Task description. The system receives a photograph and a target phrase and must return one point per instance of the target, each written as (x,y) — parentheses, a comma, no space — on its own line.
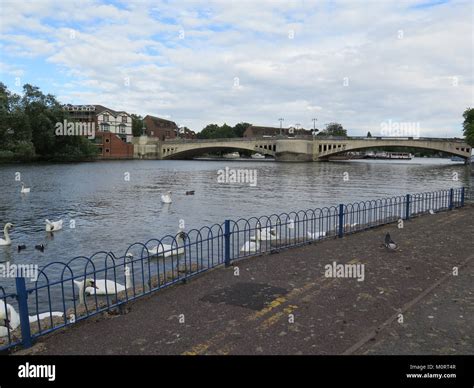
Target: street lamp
(314,126)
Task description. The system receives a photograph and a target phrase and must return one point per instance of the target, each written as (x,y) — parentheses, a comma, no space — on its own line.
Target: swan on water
(24,189)
(53,226)
(7,240)
(166,250)
(11,320)
(166,198)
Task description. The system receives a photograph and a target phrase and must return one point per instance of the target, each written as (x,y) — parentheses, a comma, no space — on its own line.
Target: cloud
(346,61)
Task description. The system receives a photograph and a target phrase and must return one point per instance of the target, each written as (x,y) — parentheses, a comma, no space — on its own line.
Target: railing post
(407,207)
(341,220)
(451,198)
(227,243)
(462,196)
(23,311)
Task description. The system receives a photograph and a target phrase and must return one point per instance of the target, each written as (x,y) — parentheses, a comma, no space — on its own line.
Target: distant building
(160,128)
(113,134)
(257,131)
(186,133)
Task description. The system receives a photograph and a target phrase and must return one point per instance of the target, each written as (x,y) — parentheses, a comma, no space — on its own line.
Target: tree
(333,129)
(468,126)
(27,128)
(369,134)
(240,128)
(137,125)
(208,132)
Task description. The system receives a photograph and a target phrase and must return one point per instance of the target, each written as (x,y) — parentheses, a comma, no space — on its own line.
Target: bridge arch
(326,150)
(184,151)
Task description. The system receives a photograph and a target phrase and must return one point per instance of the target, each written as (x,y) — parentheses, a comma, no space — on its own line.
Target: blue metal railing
(69,288)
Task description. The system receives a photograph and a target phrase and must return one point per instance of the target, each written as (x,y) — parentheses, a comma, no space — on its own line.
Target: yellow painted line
(204,346)
(276,317)
(280,300)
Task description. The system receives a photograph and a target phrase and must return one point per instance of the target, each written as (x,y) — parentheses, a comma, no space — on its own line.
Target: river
(115,203)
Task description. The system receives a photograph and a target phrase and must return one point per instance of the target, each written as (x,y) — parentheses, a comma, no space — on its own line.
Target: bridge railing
(65,293)
(311,137)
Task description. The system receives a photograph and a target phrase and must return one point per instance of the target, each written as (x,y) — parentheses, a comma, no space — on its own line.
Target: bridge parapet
(290,149)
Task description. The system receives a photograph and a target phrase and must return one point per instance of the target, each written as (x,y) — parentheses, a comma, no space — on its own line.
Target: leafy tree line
(27,129)
(214,131)
(468,126)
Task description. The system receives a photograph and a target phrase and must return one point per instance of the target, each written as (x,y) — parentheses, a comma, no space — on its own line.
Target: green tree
(137,125)
(369,134)
(333,129)
(27,128)
(468,126)
(240,128)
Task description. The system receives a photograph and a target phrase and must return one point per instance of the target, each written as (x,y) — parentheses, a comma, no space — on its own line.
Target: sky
(360,63)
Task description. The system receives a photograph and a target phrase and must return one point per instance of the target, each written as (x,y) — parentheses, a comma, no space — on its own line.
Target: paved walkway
(253,313)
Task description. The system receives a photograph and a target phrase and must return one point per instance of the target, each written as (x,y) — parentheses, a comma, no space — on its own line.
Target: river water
(116,203)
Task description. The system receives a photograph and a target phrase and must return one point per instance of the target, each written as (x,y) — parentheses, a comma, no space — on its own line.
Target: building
(160,128)
(186,133)
(257,131)
(113,129)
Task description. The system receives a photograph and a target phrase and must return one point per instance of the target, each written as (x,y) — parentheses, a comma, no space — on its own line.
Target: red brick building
(186,133)
(113,129)
(160,128)
(111,146)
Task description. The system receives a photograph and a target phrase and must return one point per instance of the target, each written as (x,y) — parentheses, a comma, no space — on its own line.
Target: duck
(167,250)
(21,247)
(24,189)
(389,243)
(40,247)
(6,229)
(191,192)
(316,235)
(10,319)
(53,226)
(166,198)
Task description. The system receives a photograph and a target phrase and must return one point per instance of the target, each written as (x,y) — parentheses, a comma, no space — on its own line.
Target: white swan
(267,233)
(24,189)
(166,198)
(13,320)
(316,235)
(253,245)
(83,285)
(167,250)
(103,286)
(7,240)
(291,224)
(250,247)
(53,226)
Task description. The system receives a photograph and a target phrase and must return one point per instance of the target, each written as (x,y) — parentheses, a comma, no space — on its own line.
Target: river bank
(410,301)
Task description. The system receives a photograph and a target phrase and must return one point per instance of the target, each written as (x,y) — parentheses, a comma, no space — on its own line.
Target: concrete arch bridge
(291,149)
